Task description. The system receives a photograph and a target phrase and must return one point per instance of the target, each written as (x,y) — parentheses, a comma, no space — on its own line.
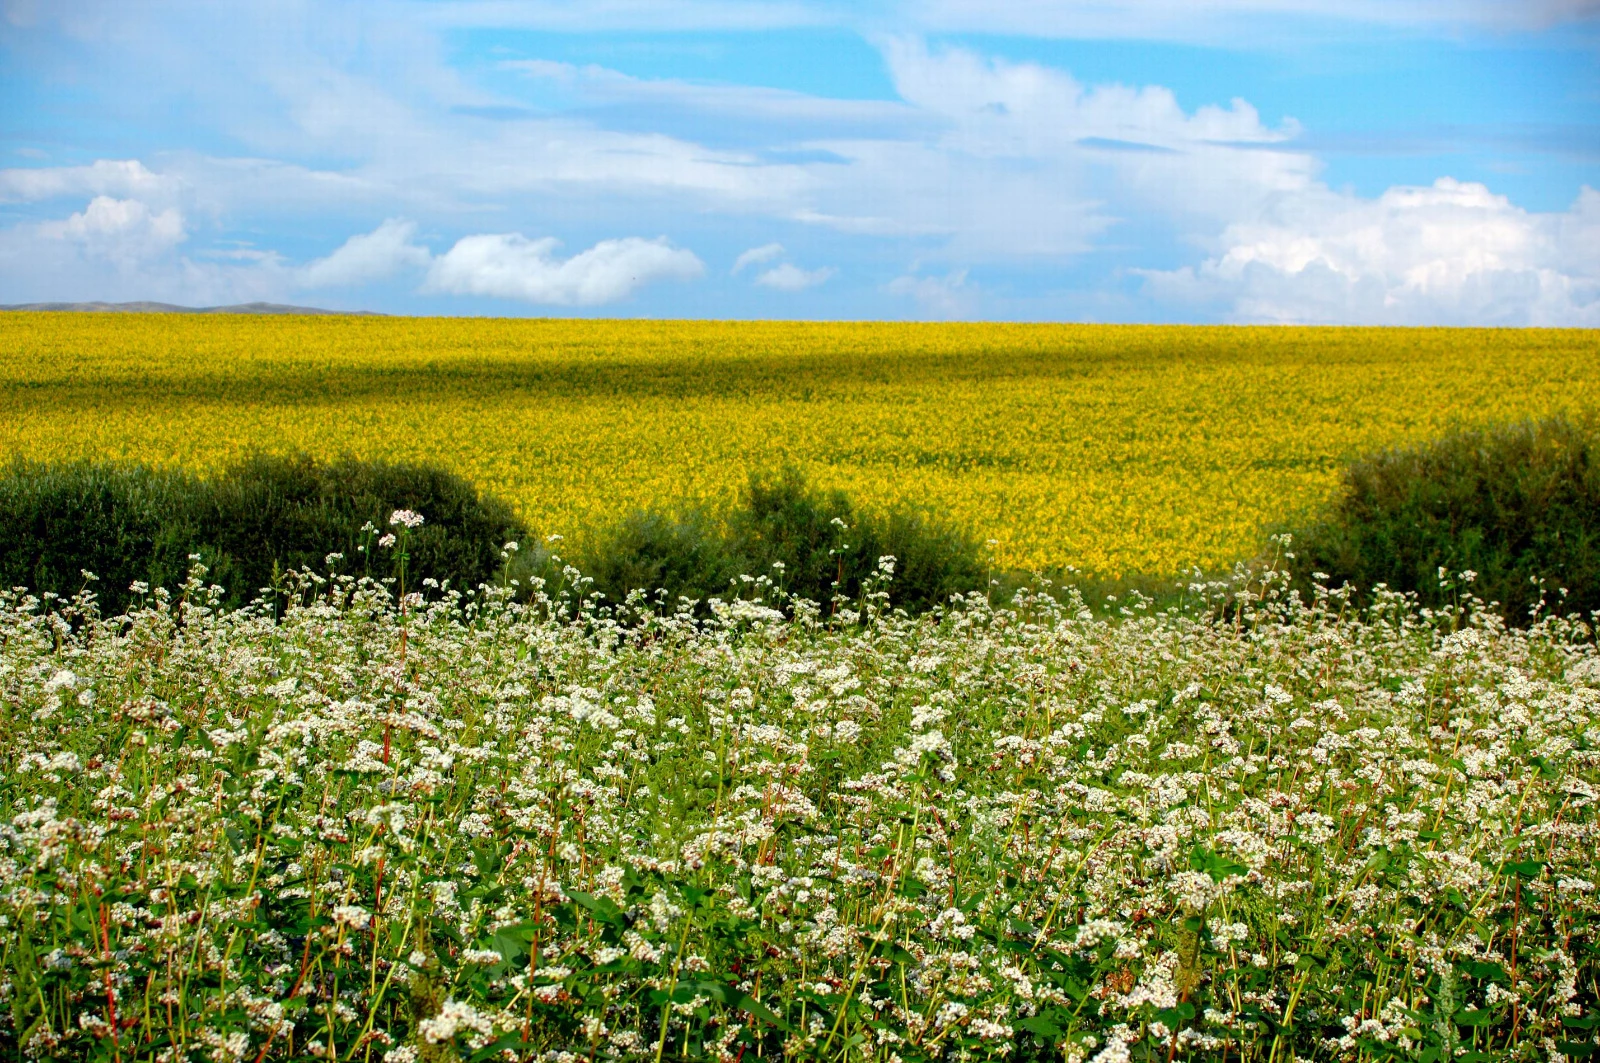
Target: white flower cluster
(1016,832)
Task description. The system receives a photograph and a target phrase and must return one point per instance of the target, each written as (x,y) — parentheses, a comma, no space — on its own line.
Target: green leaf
(602,908)
(1528,869)
(1485,972)
(694,894)
(1218,867)
(712,991)
(1175,1017)
(1474,1017)
(1040,1025)
(762,1012)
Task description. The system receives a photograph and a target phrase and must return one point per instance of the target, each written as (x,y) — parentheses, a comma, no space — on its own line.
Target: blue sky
(1402,161)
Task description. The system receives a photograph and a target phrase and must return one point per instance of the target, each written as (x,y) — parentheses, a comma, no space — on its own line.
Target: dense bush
(250,523)
(1514,504)
(813,544)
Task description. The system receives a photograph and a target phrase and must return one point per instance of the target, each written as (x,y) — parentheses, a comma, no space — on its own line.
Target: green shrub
(681,555)
(1514,504)
(251,523)
(120,523)
(280,513)
(811,543)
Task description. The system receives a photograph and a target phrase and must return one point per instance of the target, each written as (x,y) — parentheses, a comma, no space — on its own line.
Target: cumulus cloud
(510,266)
(382,253)
(1449,253)
(125,231)
(118,250)
(787,277)
(757,255)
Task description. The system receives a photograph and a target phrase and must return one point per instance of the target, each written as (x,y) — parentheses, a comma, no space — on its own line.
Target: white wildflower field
(362,825)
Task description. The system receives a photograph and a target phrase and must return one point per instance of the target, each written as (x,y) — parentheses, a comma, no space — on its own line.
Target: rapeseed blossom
(1116,449)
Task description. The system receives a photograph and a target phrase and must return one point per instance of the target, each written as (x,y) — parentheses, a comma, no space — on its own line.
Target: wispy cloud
(788,277)
(947,297)
(104,177)
(756,256)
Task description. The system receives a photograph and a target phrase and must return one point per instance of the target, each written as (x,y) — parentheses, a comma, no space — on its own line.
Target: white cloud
(1450,253)
(783,112)
(1020,159)
(1068,18)
(788,277)
(119,250)
(980,161)
(510,266)
(124,231)
(1233,21)
(103,177)
(385,251)
(1000,107)
(947,297)
(757,255)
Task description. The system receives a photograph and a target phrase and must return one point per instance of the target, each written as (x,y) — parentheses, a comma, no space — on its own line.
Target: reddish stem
(111,997)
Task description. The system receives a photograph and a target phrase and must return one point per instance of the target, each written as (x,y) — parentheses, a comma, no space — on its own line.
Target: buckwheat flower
(1194,889)
(405,518)
(455,1017)
(353,916)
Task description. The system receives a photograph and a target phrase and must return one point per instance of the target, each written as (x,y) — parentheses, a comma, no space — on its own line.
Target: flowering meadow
(436,826)
(1119,450)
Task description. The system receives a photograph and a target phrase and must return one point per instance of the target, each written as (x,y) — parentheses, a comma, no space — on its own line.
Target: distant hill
(169,308)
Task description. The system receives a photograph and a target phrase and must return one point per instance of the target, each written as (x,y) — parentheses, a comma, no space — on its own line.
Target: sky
(1412,162)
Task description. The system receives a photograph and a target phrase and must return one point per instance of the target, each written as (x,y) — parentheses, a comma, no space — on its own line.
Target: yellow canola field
(1119,449)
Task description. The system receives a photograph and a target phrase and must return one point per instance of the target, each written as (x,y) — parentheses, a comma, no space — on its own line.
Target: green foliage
(254,521)
(120,523)
(683,555)
(810,543)
(1518,505)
